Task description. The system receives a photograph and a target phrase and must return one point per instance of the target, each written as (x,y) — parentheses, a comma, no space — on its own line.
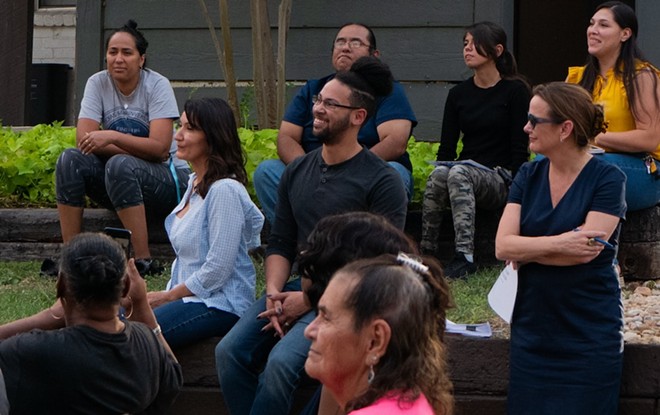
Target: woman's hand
(158,298)
(292,306)
(137,297)
(581,244)
(96,141)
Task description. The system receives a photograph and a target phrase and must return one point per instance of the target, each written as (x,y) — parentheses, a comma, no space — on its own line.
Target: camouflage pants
(461,189)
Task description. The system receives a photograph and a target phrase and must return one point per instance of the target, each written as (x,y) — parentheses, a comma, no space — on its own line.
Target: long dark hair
(413,302)
(141,43)
(626,63)
(215,118)
(486,36)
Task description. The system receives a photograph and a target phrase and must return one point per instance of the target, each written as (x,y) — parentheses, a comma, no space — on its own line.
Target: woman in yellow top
(626,85)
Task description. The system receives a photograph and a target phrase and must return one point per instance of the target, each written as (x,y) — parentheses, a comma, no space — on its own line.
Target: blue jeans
(269,172)
(187,323)
(642,189)
(259,372)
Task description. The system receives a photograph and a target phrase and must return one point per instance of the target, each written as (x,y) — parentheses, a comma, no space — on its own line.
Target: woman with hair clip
(626,85)
(98,363)
(211,230)
(377,339)
(124,157)
(488,111)
(560,229)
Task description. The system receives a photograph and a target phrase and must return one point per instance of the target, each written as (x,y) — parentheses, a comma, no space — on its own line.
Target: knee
(120,166)
(458,176)
(436,182)
(267,170)
(68,158)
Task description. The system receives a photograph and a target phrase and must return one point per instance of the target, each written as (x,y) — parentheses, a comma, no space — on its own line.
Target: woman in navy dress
(560,229)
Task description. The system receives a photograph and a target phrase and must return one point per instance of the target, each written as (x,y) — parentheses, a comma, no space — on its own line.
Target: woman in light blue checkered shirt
(211,230)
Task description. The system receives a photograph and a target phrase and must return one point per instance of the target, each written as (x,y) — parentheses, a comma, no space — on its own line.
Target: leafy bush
(27,161)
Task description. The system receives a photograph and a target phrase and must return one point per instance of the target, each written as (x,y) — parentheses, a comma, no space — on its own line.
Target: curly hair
(339,239)
(215,118)
(413,301)
(93,266)
(368,79)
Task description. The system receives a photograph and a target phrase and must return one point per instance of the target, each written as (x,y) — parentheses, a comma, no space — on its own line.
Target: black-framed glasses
(353,44)
(533,119)
(330,104)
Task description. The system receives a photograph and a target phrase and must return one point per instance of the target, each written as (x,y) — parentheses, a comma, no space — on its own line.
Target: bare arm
(568,248)
(394,136)
(90,139)
(646,136)
(158,298)
(142,312)
(49,319)
(289,140)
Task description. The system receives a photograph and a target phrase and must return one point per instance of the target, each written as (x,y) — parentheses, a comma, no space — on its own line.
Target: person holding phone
(97,362)
(567,323)
(211,230)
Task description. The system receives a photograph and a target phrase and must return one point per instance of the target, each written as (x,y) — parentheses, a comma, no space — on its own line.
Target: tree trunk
(226,57)
(282,33)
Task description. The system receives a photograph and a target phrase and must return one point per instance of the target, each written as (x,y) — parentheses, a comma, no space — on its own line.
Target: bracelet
(157,331)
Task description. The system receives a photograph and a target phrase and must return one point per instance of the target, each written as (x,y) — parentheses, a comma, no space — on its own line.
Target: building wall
(54,38)
(54,42)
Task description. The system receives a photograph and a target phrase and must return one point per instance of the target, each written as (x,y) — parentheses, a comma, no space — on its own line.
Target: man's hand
(283,310)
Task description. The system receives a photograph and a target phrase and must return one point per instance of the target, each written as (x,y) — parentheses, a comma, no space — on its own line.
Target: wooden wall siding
(420,40)
(15,60)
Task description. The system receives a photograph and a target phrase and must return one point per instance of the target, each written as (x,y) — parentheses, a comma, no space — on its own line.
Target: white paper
(455,162)
(502,295)
(472,330)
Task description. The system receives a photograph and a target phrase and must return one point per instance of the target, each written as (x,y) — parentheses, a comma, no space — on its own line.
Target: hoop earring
(371,375)
(131,313)
(50,310)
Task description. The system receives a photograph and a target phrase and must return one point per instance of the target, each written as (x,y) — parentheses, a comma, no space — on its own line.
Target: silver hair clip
(412,263)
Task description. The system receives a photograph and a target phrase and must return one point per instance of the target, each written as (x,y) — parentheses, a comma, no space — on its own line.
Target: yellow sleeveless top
(611,94)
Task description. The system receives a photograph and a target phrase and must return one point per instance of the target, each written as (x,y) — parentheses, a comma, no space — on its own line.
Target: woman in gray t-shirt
(124,156)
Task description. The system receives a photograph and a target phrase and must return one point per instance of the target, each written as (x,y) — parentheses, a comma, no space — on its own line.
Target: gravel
(641,310)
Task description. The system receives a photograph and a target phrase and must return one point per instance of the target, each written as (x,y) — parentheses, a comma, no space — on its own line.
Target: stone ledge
(479,369)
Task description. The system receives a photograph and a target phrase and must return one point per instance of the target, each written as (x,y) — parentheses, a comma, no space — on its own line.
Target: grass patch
(24,292)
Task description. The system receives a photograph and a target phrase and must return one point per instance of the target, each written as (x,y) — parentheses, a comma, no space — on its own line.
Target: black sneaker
(459,267)
(49,268)
(148,266)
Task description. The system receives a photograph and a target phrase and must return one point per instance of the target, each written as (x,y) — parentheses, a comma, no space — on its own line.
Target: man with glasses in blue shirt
(386,133)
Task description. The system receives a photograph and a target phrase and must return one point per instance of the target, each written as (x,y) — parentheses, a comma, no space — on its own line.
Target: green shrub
(27,161)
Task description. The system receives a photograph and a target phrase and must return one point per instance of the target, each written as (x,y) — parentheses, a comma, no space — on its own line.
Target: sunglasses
(533,119)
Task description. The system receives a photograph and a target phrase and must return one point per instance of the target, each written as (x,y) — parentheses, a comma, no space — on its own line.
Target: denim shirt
(211,243)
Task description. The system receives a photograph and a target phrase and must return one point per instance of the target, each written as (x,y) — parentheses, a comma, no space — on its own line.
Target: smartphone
(123,236)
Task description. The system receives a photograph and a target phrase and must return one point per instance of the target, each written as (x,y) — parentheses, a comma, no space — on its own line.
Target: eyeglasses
(537,120)
(353,44)
(330,104)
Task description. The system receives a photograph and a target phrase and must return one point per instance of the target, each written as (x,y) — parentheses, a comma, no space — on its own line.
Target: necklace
(124,100)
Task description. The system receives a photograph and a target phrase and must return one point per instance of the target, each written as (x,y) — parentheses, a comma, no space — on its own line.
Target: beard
(329,134)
